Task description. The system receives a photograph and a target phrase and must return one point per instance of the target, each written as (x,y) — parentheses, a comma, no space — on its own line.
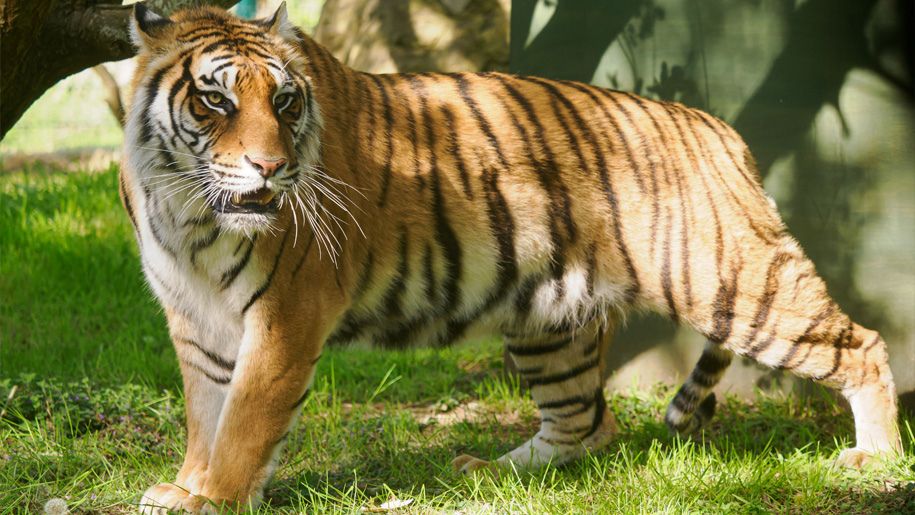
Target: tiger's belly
(523,303)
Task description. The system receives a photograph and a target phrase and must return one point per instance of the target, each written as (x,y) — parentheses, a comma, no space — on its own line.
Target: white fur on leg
(876,432)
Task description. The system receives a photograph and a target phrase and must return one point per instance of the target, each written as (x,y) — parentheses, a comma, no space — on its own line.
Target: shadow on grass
(379,456)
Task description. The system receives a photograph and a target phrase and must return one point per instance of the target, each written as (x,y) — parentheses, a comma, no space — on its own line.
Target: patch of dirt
(72,160)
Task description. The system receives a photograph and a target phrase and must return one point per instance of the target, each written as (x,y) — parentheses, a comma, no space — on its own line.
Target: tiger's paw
(467,464)
(166,498)
(855,458)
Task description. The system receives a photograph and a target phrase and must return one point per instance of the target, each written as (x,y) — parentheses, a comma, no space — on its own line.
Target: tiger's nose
(266,167)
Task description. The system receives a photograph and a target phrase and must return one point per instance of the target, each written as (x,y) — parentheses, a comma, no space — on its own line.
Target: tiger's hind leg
(853,360)
(794,325)
(564,372)
(694,404)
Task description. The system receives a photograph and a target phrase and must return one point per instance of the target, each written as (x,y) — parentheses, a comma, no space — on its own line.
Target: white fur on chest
(207,279)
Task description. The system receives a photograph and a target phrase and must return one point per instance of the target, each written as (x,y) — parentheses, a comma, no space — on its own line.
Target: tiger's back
(282,201)
(620,202)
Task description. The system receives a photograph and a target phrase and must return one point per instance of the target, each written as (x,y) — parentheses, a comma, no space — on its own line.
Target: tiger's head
(223,117)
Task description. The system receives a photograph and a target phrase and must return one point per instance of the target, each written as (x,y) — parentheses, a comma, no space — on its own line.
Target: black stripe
(686,208)
(686,400)
(703,379)
(154,230)
(586,402)
(263,288)
(529,370)
(765,303)
(713,362)
(229,276)
(503,228)
(666,283)
(455,151)
(298,266)
(211,377)
(600,408)
(369,102)
(755,186)
(152,91)
(591,260)
(199,220)
(203,243)
(837,360)
(365,276)
(391,301)
(445,236)
(482,122)
(591,92)
(840,341)
(127,206)
(547,175)
(227,365)
(388,137)
(565,375)
(537,350)
(429,272)
(507,271)
(571,137)
(610,193)
(413,132)
(765,234)
(186,79)
(723,314)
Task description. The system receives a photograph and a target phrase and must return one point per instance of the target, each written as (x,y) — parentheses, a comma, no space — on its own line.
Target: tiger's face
(233,115)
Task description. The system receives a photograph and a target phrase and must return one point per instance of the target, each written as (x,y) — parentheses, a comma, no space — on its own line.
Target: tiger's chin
(249,213)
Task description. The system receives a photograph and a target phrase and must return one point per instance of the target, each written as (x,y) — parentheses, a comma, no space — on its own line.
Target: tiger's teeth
(236,198)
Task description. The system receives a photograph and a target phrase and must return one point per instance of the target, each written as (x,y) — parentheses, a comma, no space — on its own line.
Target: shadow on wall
(821,90)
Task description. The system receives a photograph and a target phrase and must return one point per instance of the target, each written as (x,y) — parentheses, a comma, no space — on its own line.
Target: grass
(93,413)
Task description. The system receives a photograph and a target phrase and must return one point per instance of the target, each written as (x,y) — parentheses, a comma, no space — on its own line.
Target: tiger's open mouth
(262,200)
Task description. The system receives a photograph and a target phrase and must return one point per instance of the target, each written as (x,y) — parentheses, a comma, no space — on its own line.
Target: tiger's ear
(148,29)
(280,25)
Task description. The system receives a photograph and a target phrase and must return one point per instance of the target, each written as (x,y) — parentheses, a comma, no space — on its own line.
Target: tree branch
(45,41)
(112,93)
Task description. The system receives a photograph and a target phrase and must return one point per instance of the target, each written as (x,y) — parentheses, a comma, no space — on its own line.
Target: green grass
(93,412)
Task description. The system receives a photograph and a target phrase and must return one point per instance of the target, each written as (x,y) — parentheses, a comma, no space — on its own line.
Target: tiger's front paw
(164,498)
(855,458)
(467,464)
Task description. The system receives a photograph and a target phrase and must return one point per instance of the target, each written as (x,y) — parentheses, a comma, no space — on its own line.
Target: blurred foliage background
(822,90)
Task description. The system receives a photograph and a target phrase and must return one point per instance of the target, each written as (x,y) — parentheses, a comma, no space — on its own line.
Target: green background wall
(822,91)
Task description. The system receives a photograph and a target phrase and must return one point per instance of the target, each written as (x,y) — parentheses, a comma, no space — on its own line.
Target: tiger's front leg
(275,366)
(206,373)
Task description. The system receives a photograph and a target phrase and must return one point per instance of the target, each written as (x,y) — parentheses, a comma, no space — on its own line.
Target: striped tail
(694,404)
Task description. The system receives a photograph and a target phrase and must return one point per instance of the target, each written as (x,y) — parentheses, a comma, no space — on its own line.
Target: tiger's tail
(694,404)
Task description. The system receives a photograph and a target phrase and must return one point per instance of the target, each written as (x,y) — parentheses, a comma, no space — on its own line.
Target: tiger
(282,202)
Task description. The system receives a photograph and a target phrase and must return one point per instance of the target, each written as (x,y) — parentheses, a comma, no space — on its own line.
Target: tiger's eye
(283,101)
(214,98)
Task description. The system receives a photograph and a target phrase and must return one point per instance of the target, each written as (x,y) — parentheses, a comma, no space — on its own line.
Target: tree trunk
(45,41)
(385,36)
